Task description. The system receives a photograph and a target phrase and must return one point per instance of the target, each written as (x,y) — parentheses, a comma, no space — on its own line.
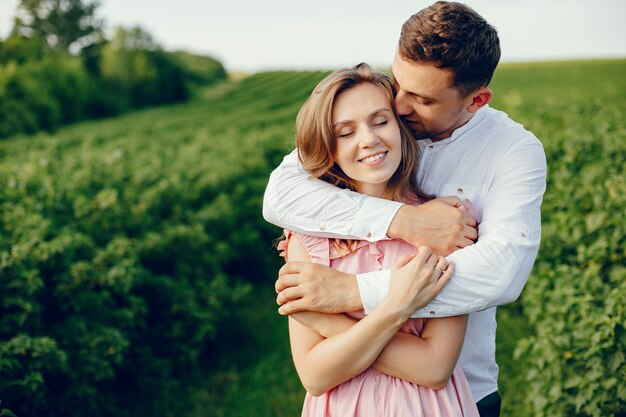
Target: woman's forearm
(406,356)
(414,359)
(326,324)
(346,354)
(427,360)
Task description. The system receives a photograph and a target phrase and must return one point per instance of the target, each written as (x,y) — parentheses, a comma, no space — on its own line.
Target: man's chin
(421,135)
(418,132)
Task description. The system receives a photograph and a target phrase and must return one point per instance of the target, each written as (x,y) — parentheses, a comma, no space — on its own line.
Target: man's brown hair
(452,35)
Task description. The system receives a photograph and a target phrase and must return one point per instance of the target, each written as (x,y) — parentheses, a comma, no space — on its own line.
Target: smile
(372,159)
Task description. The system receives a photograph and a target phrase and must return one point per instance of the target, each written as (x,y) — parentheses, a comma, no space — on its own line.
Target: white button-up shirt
(492,161)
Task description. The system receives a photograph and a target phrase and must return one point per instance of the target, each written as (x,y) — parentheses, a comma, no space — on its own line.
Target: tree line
(57,66)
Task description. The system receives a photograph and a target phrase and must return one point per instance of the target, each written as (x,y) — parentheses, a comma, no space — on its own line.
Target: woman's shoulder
(318,248)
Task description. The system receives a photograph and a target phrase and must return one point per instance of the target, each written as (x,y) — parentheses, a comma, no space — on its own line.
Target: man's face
(426,100)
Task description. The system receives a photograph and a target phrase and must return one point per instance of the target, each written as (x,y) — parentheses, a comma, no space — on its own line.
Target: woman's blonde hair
(316,141)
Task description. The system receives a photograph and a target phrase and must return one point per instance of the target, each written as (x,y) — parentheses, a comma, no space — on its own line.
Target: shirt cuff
(435,309)
(374,217)
(373,287)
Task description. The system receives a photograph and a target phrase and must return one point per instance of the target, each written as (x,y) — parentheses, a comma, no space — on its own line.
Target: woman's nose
(369,138)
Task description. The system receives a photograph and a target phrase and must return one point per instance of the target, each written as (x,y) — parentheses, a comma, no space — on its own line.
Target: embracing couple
(411,210)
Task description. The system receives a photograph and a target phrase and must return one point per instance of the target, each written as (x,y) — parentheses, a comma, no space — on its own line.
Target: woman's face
(368,138)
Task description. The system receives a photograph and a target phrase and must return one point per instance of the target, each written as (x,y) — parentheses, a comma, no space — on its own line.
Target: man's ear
(478,99)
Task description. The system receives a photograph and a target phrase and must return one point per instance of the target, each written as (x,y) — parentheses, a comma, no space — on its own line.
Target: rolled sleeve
(374,217)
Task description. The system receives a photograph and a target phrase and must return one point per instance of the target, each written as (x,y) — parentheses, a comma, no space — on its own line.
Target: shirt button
(523,234)
(369,234)
(322,228)
(459,190)
(432,313)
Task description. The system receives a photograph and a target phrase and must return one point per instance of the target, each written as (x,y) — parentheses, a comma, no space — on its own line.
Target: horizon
(287,35)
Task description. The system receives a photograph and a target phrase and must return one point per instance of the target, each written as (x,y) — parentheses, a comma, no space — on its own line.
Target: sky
(326,34)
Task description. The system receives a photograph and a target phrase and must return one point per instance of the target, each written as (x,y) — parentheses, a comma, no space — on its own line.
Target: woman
(349,135)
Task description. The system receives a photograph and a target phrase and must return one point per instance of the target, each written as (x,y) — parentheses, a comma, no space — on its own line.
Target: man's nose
(401,104)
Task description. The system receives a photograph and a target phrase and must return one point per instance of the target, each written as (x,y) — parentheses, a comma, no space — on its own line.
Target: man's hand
(304,286)
(416,280)
(438,224)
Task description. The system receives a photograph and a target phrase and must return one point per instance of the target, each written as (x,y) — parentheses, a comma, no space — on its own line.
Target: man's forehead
(421,77)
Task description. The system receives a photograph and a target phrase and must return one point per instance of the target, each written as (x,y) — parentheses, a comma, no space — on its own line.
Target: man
(446,56)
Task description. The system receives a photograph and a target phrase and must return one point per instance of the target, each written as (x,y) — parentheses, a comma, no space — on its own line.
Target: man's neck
(448,134)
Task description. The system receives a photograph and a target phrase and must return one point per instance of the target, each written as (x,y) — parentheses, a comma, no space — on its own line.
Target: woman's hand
(417,279)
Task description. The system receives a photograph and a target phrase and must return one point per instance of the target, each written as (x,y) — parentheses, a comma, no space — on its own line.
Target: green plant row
(125,243)
(572,361)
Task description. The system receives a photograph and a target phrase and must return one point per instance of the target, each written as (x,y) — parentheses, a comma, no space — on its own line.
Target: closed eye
(423,101)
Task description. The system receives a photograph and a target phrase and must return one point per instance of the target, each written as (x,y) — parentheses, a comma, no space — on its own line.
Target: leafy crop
(574,301)
(127,246)
(125,243)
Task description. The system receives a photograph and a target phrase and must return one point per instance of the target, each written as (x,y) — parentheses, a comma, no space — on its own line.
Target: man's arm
(495,269)
(491,272)
(306,286)
(297,202)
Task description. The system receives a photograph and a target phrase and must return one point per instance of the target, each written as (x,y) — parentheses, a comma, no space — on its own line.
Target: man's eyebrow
(423,97)
(396,85)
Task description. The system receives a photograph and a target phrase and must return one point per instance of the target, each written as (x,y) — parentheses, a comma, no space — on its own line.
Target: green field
(135,262)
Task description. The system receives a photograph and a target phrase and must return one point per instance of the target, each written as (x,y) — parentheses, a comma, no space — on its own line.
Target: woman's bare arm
(322,363)
(428,360)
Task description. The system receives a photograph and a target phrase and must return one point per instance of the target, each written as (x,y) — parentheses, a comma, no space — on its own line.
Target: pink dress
(373,393)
